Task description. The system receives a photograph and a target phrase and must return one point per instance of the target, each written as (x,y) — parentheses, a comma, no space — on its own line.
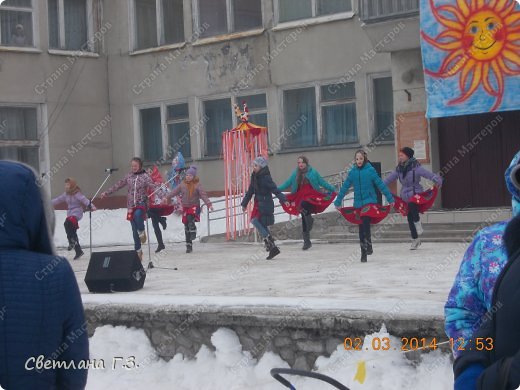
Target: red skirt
(163,210)
(193,210)
(376,213)
(74,221)
(255,213)
(130,212)
(318,200)
(424,200)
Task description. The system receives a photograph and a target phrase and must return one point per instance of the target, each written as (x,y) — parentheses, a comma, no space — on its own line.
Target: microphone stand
(109,173)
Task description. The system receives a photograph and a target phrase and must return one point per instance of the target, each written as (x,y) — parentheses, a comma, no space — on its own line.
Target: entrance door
(475,150)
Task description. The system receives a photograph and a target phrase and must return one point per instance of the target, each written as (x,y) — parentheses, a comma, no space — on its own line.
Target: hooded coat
(41,312)
(470,297)
(410,179)
(364,179)
(262,187)
(486,368)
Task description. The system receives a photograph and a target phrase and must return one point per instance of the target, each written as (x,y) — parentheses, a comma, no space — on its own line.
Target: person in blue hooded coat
(41,313)
(470,297)
(364,178)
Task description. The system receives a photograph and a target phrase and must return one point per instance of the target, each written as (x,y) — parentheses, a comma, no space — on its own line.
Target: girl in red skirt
(306,196)
(191,193)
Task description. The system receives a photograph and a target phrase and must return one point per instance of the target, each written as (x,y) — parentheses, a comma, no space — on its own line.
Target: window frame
(319,117)
(90,47)
(371,109)
(234,118)
(230,21)
(163,106)
(35,27)
(313,19)
(132,25)
(42,135)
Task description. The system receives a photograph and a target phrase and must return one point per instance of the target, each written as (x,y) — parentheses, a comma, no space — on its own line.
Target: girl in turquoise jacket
(364,178)
(306,194)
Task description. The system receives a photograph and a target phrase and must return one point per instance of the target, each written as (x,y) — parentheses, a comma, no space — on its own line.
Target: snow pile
(231,368)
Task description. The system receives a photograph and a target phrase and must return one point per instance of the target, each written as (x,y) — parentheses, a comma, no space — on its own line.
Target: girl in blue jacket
(305,184)
(363,177)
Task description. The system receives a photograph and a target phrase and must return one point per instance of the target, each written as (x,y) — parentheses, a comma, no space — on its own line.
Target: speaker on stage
(115,271)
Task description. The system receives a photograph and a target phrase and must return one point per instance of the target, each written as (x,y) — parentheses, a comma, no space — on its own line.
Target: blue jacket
(315,179)
(484,368)
(363,179)
(40,305)
(471,295)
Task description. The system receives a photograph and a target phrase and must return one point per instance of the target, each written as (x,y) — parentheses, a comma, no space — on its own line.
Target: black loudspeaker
(115,271)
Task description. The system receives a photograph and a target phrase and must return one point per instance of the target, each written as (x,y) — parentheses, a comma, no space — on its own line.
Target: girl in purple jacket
(76,202)
(409,172)
(138,183)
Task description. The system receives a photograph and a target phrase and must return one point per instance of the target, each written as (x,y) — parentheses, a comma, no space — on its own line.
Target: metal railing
(335,179)
(379,10)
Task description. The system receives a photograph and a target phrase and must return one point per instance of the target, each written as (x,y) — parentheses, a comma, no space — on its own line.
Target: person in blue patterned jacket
(471,295)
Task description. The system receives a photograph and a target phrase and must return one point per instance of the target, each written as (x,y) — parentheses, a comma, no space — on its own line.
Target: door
(475,150)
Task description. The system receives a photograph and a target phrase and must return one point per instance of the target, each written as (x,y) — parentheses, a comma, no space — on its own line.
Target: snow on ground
(328,276)
(224,368)
(217,275)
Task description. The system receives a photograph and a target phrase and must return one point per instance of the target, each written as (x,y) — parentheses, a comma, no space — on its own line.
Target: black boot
(309,221)
(162,221)
(71,245)
(189,247)
(306,241)
(160,247)
(364,252)
(273,249)
(78,250)
(192,228)
(369,247)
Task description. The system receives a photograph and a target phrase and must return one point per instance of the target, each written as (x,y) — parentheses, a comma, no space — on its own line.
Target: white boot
(415,244)
(419,228)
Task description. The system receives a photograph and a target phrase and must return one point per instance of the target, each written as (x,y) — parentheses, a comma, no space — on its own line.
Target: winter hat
(260,161)
(408,151)
(73,185)
(192,171)
(513,184)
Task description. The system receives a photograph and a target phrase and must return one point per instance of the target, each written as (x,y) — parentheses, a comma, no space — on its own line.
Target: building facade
(88,84)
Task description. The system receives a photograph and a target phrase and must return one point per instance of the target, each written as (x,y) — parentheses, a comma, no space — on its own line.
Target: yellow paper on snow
(361,372)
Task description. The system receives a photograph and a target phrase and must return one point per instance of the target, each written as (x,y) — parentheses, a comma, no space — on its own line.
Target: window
(288,11)
(68,24)
(217,17)
(178,123)
(383,108)
(323,115)
(300,107)
(158,23)
(16,23)
(257,106)
(151,134)
(338,114)
(157,144)
(19,135)
(219,119)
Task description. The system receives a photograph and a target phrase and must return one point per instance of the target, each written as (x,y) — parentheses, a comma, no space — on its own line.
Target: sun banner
(471,56)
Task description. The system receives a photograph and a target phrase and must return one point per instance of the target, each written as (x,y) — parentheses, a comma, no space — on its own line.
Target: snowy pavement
(329,276)
(236,275)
